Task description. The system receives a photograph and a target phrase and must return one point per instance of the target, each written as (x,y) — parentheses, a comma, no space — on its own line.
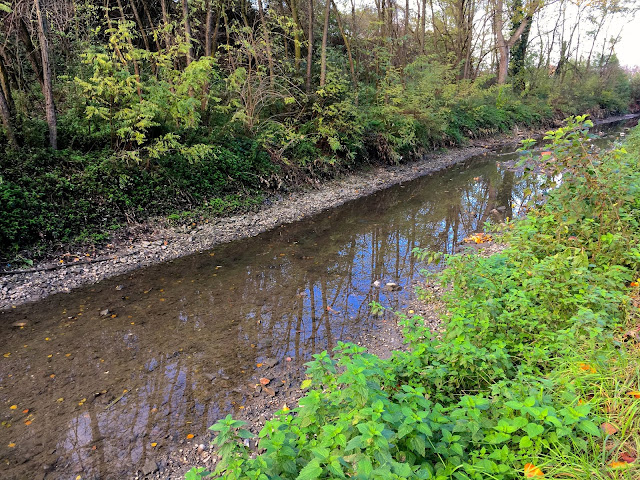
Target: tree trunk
(143,34)
(165,24)
(423,27)
(207,29)
(325,36)
(296,34)
(136,68)
(32,55)
(46,76)
(187,30)
(347,45)
(267,40)
(5,84)
(310,47)
(150,20)
(502,44)
(5,113)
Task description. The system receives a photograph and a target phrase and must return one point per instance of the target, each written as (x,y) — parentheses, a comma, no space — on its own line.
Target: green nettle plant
(499,392)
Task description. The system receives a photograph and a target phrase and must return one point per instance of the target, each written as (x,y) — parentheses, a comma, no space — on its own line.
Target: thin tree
(187,30)
(267,40)
(325,36)
(310,47)
(47,89)
(504,45)
(5,113)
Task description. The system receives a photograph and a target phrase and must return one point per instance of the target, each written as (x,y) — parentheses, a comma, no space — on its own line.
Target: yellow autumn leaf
(154,444)
(587,368)
(13,407)
(531,471)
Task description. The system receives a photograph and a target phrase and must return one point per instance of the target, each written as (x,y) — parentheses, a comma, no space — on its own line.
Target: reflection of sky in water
(292,292)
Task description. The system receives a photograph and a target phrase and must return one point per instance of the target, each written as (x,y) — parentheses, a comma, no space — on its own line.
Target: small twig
(117,399)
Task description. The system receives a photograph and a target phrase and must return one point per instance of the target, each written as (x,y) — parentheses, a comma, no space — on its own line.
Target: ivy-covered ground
(536,373)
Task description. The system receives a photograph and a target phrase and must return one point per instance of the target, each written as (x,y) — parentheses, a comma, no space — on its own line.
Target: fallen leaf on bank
(60,400)
(587,368)
(634,284)
(531,471)
(625,457)
(13,407)
(478,238)
(190,436)
(258,365)
(7,355)
(11,445)
(619,465)
(47,339)
(28,422)
(26,410)
(53,375)
(154,444)
(285,408)
(634,394)
(265,381)
(608,428)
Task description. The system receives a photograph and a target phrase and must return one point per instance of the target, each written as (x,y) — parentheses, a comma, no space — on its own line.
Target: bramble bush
(509,387)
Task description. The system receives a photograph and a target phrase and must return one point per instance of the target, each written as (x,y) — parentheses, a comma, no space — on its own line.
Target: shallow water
(180,344)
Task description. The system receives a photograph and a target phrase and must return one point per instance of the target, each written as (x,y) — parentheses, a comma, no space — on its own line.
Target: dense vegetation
(115,111)
(535,372)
